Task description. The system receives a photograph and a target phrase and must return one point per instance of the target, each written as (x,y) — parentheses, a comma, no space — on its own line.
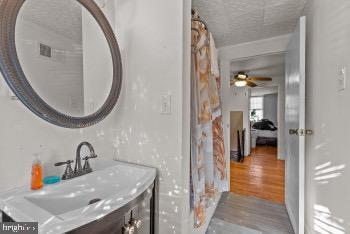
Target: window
(256,108)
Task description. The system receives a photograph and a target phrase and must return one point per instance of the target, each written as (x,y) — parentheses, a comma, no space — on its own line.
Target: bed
(264,132)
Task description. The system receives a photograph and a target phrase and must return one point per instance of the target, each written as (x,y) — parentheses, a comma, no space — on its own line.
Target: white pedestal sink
(65,206)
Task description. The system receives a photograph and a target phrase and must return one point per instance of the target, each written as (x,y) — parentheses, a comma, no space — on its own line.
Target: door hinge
(300,132)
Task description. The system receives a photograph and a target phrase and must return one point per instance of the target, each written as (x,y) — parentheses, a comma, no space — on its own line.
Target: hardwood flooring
(261,175)
(253,213)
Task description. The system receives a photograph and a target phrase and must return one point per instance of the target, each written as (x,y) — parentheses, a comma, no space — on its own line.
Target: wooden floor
(254,213)
(261,175)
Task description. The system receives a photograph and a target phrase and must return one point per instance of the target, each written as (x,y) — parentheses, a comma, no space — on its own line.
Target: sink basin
(70,204)
(120,181)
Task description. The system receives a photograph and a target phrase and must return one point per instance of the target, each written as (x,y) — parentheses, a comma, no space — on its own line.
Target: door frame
(228,54)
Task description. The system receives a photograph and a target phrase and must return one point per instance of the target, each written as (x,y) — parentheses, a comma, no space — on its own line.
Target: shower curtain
(208,162)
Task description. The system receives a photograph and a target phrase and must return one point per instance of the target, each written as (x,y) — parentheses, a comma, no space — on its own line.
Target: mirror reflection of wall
(64,55)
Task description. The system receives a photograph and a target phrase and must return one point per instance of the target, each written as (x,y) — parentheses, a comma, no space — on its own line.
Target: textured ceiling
(266,66)
(239,21)
(60,16)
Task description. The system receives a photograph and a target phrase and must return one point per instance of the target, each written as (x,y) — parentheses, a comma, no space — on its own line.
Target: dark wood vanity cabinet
(140,209)
(114,223)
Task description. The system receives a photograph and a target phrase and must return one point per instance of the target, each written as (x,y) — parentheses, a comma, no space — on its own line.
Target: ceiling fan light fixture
(242,76)
(240,83)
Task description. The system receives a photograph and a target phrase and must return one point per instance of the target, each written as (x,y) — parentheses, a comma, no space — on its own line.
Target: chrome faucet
(78,169)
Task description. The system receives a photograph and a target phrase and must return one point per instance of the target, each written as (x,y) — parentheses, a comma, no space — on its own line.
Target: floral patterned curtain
(208,162)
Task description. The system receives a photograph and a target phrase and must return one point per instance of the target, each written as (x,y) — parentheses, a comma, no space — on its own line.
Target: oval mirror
(61,59)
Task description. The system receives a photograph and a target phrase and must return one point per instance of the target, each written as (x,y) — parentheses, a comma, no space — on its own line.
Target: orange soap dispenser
(37,175)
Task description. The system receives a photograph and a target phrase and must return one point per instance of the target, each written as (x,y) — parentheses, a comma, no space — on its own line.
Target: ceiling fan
(241,79)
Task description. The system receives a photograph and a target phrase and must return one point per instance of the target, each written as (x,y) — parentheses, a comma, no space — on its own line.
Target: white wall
(327,113)
(151,36)
(270,107)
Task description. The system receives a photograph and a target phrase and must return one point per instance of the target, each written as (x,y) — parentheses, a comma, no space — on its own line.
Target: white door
(295,124)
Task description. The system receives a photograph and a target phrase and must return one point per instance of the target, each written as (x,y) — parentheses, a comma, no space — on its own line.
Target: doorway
(294,134)
(261,173)
(257,183)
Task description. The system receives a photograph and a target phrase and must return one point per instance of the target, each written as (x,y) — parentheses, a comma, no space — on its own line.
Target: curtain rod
(196,18)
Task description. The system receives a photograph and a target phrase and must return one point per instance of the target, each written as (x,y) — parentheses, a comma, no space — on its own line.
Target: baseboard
(291,217)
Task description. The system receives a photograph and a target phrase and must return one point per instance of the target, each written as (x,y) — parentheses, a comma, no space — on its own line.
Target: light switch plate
(342,79)
(165,108)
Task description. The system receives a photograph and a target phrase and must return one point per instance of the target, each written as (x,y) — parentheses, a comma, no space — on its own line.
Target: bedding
(265,133)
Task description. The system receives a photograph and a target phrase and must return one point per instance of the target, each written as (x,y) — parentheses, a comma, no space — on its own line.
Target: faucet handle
(68,173)
(68,162)
(87,168)
(91,156)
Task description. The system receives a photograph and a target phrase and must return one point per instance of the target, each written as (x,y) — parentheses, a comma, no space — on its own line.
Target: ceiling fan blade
(260,78)
(251,84)
(239,79)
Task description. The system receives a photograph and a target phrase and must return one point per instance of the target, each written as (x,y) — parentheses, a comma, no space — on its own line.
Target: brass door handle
(300,132)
